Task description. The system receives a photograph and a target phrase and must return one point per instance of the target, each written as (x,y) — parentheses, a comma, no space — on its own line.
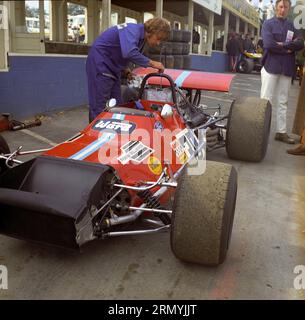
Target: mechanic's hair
(278,1)
(157,26)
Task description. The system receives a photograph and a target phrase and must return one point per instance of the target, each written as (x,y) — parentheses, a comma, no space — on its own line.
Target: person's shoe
(298,151)
(284,138)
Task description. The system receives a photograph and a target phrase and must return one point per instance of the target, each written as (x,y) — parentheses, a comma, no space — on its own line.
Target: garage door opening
(77,23)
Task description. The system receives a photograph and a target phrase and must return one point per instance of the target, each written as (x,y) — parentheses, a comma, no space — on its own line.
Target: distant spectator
(248,45)
(196,41)
(81,33)
(219,43)
(260,46)
(233,49)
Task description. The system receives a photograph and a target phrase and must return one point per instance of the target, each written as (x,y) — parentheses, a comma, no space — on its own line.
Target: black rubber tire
(186,48)
(245,66)
(186,36)
(169,62)
(165,48)
(176,35)
(203,214)
(178,62)
(4,149)
(248,129)
(154,50)
(177,48)
(186,62)
(157,57)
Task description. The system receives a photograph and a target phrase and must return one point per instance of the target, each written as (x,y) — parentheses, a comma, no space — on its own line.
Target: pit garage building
(42,70)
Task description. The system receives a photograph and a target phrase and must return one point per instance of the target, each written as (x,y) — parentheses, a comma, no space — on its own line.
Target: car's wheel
(203,214)
(169,62)
(178,62)
(176,35)
(245,66)
(186,62)
(177,48)
(4,149)
(186,48)
(186,36)
(248,129)
(165,49)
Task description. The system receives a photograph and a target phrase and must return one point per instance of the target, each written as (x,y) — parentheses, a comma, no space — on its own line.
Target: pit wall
(38,84)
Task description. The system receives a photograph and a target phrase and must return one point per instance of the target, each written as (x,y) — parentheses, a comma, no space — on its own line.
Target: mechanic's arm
(143,61)
(129,47)
(269,43)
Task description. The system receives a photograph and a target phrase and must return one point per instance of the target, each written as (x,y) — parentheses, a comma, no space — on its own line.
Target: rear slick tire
(248,129)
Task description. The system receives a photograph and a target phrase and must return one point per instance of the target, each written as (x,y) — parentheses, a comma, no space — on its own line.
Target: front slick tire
(203,214)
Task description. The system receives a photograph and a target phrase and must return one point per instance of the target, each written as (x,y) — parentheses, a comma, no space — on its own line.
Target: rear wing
(188,79)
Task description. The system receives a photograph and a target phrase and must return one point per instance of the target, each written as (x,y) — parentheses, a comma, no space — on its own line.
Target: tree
(75,9)
(31,12)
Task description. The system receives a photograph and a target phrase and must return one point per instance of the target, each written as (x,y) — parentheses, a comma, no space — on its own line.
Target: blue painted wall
(39,84)
(217,62)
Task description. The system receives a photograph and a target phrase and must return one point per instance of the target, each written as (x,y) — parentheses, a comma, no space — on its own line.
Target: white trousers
(275,88)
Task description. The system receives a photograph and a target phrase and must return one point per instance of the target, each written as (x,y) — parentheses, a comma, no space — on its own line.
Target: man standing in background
(281,41)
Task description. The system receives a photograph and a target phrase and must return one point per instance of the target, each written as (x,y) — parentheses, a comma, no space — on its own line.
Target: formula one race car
(129,163)
(250,61)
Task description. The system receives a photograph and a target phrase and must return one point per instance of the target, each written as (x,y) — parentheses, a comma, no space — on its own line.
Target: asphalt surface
(268,239)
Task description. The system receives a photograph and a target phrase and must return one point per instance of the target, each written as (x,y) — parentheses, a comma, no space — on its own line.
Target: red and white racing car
(130,162)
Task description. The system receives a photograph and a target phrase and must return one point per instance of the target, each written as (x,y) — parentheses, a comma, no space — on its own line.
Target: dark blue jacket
(116,47)
(276,59)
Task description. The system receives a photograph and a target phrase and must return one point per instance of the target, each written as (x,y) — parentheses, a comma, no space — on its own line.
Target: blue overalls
(109,55)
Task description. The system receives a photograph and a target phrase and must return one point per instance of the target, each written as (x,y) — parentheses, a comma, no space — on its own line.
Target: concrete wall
(217,62)
(39,84)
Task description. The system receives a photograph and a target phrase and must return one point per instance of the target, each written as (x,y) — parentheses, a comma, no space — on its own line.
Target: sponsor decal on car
(113,125)
(185,145)
(158,126)
(135,151)
(154,165)
(104,138)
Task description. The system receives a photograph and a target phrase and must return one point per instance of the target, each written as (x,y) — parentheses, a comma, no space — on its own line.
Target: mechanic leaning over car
(281,40)
(110,54)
